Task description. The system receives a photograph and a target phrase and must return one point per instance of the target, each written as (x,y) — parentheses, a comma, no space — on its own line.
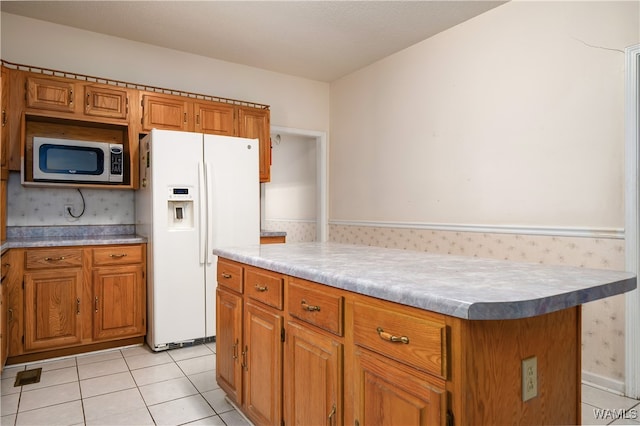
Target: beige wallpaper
(297,231)
(603,325)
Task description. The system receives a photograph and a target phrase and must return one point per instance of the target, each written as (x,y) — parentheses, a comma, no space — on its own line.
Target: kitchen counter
(463,287)
(58,236)
(268,233)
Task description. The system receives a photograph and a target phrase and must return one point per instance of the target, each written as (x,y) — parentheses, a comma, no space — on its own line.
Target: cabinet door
(390,393)
(119,302)
(52,309)
(214,118)
(229,343)
(105,102)
(3,311)
(254,123)
(3,209)
(313,378)
(164,112)
(50,94)
(262,358)
(4,121)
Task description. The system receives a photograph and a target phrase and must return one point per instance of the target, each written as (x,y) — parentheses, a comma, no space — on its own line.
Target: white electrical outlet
(529,378)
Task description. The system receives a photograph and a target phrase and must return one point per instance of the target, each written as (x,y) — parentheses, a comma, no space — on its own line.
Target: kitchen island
(384,336)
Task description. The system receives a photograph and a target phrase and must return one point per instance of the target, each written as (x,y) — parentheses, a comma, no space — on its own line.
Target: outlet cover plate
(529,378)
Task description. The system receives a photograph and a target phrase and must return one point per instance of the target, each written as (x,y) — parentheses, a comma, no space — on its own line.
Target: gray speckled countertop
(464,287)
(268,233)
(59,236)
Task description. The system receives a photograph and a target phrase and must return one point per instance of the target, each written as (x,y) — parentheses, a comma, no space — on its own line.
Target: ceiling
(318,40)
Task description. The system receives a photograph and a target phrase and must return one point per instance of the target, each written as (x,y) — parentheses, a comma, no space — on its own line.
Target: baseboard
(601,382)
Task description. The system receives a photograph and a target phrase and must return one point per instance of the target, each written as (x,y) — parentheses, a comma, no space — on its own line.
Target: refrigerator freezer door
(177,286)
(233,192)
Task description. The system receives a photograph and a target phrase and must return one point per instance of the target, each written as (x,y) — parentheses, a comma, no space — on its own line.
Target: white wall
(295,102)
(291,194)
(514,117)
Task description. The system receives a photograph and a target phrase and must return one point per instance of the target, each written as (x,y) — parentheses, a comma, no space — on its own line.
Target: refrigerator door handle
(202,222)
(209,209)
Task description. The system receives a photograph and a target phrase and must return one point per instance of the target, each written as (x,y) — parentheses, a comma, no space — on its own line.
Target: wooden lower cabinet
(249,340)
(6,267)
(391,393)
(262,354)
(313,377)
(52,315)
(229,365)
(119,301)
(73,297)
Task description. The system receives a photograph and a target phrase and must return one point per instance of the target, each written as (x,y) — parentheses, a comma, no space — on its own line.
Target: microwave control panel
(116,160)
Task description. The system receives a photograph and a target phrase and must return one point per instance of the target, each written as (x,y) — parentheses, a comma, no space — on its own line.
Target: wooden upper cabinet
(165,112)
(51,94)
(214,118)
(254,123)
(4,134)
(107,102)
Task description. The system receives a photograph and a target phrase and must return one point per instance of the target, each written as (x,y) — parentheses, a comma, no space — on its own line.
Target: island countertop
(464,287)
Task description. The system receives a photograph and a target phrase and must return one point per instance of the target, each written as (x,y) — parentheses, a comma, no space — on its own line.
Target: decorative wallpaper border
(616,233)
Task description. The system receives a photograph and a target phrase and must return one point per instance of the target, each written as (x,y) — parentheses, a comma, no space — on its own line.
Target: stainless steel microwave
(67,160)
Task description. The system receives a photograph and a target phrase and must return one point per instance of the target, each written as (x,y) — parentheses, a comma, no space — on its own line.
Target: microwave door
(68,162)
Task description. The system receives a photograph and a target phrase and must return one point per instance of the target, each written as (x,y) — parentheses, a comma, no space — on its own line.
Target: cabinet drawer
(118,255)
(264,286)
(230,276)
(310,303)
(419,341)
(53,258)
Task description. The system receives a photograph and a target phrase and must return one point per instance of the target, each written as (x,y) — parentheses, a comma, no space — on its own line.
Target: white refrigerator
(196,192)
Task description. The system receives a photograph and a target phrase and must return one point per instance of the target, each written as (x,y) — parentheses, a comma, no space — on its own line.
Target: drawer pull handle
(261,288)
(118,255)
(332,414)
(10,315)
(309,308)
(96,304)
(235,349)
(391,338)
(54,259)
(78,306)
(244,364)
(225,275)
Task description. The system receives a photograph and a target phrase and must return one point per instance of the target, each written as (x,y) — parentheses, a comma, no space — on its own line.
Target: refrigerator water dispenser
(180,204)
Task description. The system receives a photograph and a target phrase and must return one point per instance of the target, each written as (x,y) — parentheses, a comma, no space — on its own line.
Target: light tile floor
(128,386)
(135,386)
